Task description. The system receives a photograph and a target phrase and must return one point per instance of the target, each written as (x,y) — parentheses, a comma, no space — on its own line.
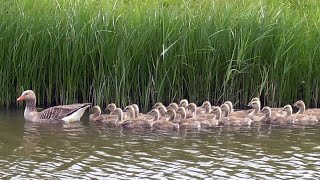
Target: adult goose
(56,114)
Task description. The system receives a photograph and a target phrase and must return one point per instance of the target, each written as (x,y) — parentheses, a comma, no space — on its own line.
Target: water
(84,150)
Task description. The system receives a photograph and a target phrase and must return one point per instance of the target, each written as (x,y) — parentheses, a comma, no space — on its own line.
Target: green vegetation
(127,51)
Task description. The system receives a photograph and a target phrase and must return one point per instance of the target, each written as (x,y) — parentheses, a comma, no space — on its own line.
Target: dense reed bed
(145,51)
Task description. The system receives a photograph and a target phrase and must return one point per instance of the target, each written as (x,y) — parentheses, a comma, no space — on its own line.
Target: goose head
(27,95)
(111,107)
(207,106)
(162,109)
(287,109)
(183,103)
(302,107)
(172,114)
(182,111)
(155,113)
(130,110)
(173,106)
(156,105)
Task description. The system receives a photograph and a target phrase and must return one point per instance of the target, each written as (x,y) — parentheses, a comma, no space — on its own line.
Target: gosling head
(171,113)
(183,103)
(162,109)
(130,110)
(207,106)
(287,109)
(95,110)
(111,107)
(173,106)
(255,105)
(156,105)
(217,111)
(225,108)
(266,110)
(299,104)
(255,99)
(192,107)
(155,113)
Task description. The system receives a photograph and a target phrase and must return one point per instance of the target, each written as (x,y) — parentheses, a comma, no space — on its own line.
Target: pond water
(84,150)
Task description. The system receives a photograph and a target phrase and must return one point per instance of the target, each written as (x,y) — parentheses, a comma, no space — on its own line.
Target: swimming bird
(299,118)
(56,114)
(207,106)
(187,123)
(132,122)
(111,107)
(156,105)
(302,109)
(268,118)
(229,120)
(162,123)
(96,116)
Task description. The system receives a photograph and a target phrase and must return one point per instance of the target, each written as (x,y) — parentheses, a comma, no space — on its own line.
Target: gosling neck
(302,108)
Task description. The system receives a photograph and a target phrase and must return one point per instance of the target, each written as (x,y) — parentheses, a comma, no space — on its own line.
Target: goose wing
(57,113)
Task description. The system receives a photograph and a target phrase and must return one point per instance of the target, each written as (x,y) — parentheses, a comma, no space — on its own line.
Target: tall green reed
(147,51)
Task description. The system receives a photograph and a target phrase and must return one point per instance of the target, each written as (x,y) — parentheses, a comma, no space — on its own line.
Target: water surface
(84,150)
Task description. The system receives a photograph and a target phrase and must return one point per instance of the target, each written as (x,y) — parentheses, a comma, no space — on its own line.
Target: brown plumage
(268,118)
(230,120)
(162,123)
(299,118)
(96,116)
(187,123)
(302,109)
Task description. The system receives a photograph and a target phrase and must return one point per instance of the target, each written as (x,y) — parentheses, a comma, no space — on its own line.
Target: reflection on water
(83,150)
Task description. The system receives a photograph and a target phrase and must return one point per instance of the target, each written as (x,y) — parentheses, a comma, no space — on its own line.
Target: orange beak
(21,98)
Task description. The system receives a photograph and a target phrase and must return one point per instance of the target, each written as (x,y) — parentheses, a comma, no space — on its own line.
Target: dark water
(84,150)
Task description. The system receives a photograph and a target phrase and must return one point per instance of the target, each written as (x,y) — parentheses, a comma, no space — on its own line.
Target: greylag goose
(162,123)
(96,116)
(130,124)
(269,119)
(299,118)
(230,120)
(56,114)
(190,123)
(302,109)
